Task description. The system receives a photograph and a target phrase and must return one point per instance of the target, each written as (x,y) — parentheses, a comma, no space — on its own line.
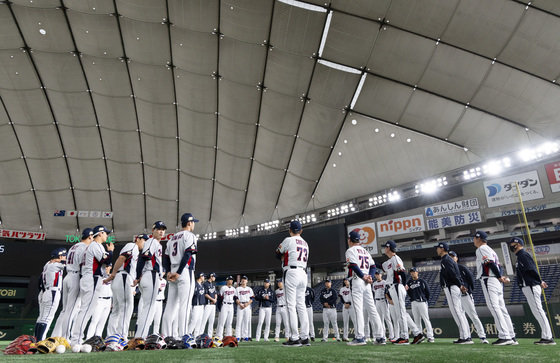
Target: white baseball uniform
(197,312)
(281,314)
(123,292)
(90,285)
(362,295)
(383,307)
(392,268)
(49,297)
(243,295)
(467,302)
(101,312)
(149,284)
(209,308)
(227,293)
(295,252)
(493,291)
(159,306)
(181,249)
(70,291)
(348,314)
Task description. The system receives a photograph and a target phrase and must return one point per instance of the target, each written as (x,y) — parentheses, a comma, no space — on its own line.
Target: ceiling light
(357,93)
(340,153)
(334,165)
(325,33)
(376,130)
(303,5)
(392,134)
(339,67)
(408,140)
(345,141)
(42,31)
(354,122)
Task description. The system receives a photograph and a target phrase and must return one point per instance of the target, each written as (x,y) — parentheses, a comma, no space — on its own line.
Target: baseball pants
(420,312)
(149,285)
(225,320)
(385,317)
(453,295)
(295,284)
(362,298)
(179,302)
(70,305)
(157,316)
(123,304)
(398,294)
(195,326)
(310,319)
(48,304)
(367,325)
(347,315)
(89,297)
(281,316)
(329,317)
(99,317)
(533,295)
(467,302)
(241,326)
(265,314)
(493,291)
(209,316)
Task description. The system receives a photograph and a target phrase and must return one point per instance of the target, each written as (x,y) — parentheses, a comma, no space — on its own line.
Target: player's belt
(379,299)
(296,267)
(228,303)
(159,300)
(281,306)
(74,272)
(105,297)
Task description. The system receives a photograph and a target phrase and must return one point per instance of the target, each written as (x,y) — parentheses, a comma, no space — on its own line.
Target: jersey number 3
(302,254)
(174,253)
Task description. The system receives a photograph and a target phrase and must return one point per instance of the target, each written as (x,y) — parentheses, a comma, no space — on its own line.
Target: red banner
(553,173)
(6,233)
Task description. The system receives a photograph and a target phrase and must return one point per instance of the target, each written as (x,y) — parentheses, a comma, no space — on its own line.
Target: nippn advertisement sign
(402,225)
(368,237)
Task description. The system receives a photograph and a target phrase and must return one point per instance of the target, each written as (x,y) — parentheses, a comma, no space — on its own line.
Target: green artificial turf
(440,351)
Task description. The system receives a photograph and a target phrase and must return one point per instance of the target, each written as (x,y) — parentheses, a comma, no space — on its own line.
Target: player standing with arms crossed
(309,298)
(180,262)
(71,286)
(281,312)
(530,283)
(467,300)
(243,298)
(211,296)
(361,268)
(265,297)
(227,295)
(148,274)
(328,298)
(381,304)
(294,253)
(419,295)
(488,271)
(91,280)
(49,296)
(348,313)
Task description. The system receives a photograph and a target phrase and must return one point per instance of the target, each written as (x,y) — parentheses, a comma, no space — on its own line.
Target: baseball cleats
(357,341)
(379,341)
(431,340)
(276,339)
(484,341)
(305,342)
(503,342)
(323,340)
(546,342)
(401,341)
(338,339)
(312,339)
(292,343)
(515,342)
(345,340)
(463,341)
(419,339)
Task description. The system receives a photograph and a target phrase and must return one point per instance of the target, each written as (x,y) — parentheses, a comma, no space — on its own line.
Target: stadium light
(495,167)
(211,235)
(325,33)
(343,209)
(544,150)
(430,186)
(268,225)
(472,173)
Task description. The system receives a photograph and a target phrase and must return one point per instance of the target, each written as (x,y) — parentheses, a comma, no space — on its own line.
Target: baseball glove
(230,341)
(21,345)
(115,343)
(203,341)
(173,343)
(60,341)
(135,344)
(46,346)
(97,343)
(188,341)
(155,342)
(217,342)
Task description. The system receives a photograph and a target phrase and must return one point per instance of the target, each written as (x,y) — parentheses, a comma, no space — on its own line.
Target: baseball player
(294,253)
(159,306)
(91,281)
(488,271)
(451,283)
(71,285)
(394,309)
(419,294)
(361,268)
(198,299)
(49,295)
(309,298)
(265,297)
(281,312)
(244,296)
(381,305)
(467,300)
(148,274)
(227,295)
(328,298)
(180,262)
(211,296)
(529,281)
(101,312)
(345,295)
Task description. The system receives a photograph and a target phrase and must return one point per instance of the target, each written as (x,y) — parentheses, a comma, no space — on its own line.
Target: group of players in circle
(91,283)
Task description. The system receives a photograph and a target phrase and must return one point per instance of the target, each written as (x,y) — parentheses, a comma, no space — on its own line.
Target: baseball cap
(354,236)
(98,229)
(391,244)
(481,234)
(143,236)
(377,272)
(244,277)
(327,280)
(229,278)
(267,280)
(443,245)
(188,217)
(278,280)
(212,274)
(295,226)
(413,269)
(452,253)
(200,274)
(345,279)
(58,252)
(159,225)
(517,240)
(86,233)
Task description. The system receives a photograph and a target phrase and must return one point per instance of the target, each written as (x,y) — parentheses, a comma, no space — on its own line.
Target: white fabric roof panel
(222,148)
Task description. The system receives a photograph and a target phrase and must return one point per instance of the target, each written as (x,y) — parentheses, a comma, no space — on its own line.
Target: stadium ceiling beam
(27,50)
